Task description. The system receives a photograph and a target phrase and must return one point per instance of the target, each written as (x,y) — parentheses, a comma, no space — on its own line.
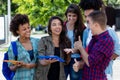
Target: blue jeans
(69,71)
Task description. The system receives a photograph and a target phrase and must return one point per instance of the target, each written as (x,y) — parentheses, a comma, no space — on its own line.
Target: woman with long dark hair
(74,28)
(53,44)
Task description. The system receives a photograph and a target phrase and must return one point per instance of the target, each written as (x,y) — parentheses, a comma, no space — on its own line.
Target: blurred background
(39,12)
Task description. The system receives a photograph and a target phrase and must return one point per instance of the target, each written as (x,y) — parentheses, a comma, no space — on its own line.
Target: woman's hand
(16,66)
(45,62)
(49,61)
(68,50)
(28,65)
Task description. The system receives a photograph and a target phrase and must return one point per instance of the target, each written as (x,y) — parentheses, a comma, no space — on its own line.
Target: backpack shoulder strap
(14,47)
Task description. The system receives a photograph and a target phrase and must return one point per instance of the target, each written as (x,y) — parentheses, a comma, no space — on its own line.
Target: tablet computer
(51,57)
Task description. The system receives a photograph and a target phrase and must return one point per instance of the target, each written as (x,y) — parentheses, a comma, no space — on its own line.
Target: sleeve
(103,49)
(115,40)
(35,48)
(10,55)
(41,46)
(96,58)
(85,35)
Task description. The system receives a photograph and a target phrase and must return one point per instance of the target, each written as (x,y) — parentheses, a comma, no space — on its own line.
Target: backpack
(8,74)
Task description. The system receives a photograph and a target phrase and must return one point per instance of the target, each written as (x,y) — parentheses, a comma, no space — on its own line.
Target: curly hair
(79,25)
(91,4)
(18,19)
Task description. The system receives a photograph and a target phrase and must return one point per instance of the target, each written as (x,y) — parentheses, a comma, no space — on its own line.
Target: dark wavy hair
(79,24)
(91,4)
(18,19)
(64,41)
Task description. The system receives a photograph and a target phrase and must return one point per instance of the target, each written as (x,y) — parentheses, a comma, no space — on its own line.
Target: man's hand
(114,56)
(78,65)
(78,44)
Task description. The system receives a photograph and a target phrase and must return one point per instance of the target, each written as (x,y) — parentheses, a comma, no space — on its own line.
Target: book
(12,61)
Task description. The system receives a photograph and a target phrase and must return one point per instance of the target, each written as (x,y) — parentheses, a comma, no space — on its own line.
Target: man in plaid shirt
(100,48)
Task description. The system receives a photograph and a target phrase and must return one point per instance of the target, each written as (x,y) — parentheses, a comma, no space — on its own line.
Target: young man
(100,48)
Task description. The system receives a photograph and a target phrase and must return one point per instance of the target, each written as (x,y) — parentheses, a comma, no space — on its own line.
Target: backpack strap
(14,47)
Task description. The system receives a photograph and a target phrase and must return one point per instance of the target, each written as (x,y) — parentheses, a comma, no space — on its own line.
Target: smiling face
(24,30)
(56,27)
(71,17)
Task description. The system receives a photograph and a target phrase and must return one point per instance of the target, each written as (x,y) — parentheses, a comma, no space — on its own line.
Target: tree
(114,3)
(3,7)
(39,11)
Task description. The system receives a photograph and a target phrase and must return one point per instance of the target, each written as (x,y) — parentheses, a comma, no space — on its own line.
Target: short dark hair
(99,17)
(91,4)
(18,19)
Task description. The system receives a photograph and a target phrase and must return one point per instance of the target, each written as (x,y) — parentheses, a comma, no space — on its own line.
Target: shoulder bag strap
(14,47)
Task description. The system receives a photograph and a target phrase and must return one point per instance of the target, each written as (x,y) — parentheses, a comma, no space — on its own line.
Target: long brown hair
(79,25)
(64,41)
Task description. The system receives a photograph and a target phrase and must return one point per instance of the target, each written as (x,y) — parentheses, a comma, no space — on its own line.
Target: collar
(100,35)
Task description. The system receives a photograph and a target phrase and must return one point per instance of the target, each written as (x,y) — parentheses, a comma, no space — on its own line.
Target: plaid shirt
(100,50)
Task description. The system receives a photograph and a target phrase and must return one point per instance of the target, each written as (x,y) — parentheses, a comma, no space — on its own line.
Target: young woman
(53,45)
(75,28)
(26,47)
